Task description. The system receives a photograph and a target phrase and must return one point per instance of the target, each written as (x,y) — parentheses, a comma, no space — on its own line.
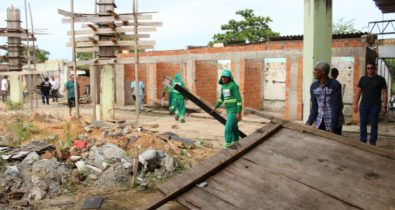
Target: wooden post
(28,55)
(34,56)
(74,61)
(136,56)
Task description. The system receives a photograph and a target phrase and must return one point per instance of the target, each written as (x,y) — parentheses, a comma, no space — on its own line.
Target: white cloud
(188,22)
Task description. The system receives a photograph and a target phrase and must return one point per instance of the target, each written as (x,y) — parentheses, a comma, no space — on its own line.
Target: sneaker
(182,121)
(176,118)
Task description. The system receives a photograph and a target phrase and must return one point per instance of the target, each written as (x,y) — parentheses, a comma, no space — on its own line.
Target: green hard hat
(226,73)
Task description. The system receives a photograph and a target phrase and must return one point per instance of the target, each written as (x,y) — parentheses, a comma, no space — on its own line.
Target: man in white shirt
(4,88)
(55,88)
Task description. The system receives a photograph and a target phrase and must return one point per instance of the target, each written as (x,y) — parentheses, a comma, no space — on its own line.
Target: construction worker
(169,91)
(230,94)
(178,99)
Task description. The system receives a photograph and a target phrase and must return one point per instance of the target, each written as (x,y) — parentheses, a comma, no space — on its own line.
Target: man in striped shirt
(326,100)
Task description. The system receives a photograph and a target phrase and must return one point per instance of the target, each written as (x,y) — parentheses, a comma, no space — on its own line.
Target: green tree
(41,55)
(343,26)
(250,29)
(84,56)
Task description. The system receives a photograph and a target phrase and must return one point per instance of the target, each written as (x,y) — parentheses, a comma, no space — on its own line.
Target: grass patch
(21,128)
(3,164)
(68,137)
(13,106)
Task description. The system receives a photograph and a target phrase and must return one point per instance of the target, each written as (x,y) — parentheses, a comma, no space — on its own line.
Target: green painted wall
(317,42)
(107,98)
(16,90)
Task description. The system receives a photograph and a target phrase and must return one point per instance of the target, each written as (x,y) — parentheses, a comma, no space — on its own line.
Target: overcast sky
(188,22)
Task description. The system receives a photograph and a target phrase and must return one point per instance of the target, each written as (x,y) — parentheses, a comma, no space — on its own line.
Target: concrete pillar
(190,73)
(16,89)
(107,93)
(14,54)
(107,86)
(120,84)
(317,42)
(151,84)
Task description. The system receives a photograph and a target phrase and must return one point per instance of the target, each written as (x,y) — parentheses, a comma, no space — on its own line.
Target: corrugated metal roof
(386,6)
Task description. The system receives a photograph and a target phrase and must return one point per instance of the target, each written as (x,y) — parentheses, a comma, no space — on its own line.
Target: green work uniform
(169,92)
(178,98)
(230,95)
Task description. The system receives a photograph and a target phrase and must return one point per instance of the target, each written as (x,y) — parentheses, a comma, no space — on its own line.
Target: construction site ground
(199,127)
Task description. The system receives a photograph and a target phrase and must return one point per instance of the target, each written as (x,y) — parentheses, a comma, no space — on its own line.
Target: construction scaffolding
(104,34)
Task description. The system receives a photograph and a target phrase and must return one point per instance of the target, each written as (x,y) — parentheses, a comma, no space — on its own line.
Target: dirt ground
(198,127)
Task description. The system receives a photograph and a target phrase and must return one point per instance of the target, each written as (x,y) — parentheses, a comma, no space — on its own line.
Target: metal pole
(136,57)
(74,61)
(28,56)
(34,55)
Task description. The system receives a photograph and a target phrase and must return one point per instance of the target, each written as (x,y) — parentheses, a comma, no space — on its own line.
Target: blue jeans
(140,100)
(371,113)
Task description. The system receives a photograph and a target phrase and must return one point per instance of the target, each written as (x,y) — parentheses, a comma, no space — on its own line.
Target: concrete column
(317,42)
(120,84)
(14,54)
(190,73)
(107,93)
(16,90)
(151,84)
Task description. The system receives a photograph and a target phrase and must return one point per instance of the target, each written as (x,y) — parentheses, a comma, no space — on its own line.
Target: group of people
(49,88)
(327,105)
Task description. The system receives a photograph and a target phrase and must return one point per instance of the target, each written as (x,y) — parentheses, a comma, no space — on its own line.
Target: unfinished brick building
(269,73)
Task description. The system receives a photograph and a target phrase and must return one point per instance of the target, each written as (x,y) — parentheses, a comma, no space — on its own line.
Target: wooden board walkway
(288,166)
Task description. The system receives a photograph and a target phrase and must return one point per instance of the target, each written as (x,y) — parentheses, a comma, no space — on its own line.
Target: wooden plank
(202,199)
(103,31)
(246,145)
(104,19)
(120,24)
(246,185)
(115,61)
(87,50)
(324,134)
(112,43)
(354,176)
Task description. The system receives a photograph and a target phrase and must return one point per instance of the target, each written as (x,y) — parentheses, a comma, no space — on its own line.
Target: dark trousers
(45,97)
(4,95)
(54,95)
(337,130)
(369,113)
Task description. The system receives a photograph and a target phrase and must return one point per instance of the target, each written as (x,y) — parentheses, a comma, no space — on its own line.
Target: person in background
(69,86)
(169,91)
(4,88)
(178,99)
(326,100)
(45,88)
(141,92)
(334,75)
(55,89)
(372,87)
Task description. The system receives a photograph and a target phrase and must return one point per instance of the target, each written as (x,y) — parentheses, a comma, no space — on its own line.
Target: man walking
(372,86)
(230,94)
(4,88)
(55,89)
(141,92)
(45,88)
(69,86)
(178,99)
(326,101)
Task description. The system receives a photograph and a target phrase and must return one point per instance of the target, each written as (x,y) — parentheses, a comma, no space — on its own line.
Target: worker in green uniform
(170,95)
(178,99)
(230,95)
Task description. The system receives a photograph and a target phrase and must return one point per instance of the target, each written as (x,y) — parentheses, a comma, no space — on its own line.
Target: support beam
(317,43)
(16,90)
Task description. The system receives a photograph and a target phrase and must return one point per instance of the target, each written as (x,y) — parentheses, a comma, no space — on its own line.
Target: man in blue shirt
(141,92)
(326,101)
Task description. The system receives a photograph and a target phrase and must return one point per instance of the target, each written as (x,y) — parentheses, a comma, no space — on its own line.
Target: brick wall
(206,80)
(129,77)
(253,69)
(165,70)
(83,81)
